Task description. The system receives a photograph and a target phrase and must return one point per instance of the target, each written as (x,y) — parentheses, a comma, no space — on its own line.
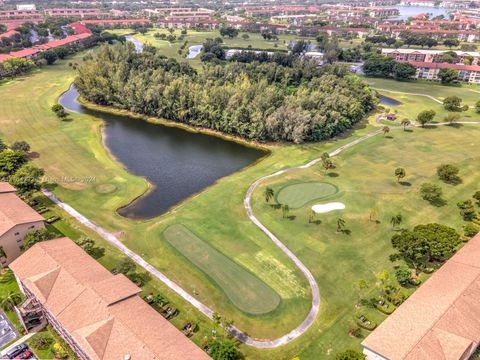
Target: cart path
(299,330)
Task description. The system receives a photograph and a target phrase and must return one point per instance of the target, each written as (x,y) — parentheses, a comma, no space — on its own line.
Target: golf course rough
(300,194)
(245,290)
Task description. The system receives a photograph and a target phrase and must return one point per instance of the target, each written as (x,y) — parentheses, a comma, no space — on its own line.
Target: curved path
(202,307)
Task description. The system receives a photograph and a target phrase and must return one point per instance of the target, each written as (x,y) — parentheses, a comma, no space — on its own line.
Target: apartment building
(71,12)
(16,220)
(20,14)
(100,315)
(430,71)
(431,56)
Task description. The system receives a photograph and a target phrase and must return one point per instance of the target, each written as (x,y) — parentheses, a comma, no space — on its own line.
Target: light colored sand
(325,208)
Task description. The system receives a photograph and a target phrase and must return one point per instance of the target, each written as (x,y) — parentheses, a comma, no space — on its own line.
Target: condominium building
(100,315)
(430,56)
(73,12)
(16,220)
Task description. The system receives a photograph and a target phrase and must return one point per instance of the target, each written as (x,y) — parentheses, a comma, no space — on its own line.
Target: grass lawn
(194,37)
(8,285)
(53,338)
(73,150)
(367,185)
(297,195)
(243,288)
(411,104)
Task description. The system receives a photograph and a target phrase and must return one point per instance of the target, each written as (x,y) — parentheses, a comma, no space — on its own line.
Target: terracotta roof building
(99,315)
(16,220)
(441,320)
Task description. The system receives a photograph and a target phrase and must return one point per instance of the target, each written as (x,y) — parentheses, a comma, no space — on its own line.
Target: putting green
(297,195)
(244,289)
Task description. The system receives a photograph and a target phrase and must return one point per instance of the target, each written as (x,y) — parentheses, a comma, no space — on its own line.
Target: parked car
(16,350)
(25,355)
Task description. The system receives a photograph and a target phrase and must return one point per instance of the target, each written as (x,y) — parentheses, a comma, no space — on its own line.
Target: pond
(138,44)
(193,51)
(412,11)
(385,100)
(178,163)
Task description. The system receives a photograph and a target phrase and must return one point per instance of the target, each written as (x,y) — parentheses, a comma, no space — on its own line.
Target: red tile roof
(441,320)
(8,34)
(432,65)
(100,311)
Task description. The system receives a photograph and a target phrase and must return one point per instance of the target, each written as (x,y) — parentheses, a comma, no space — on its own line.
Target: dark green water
(177,162)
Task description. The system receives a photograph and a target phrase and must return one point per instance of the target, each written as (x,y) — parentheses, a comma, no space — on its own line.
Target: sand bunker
(325,208)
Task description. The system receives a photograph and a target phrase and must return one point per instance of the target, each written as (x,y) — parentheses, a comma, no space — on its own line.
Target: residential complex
(440,320)
(429,63)
(100,315)
(16,220)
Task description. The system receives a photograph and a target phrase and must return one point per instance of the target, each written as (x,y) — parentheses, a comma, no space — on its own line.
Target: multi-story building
(73,12)
(16,220)
(20,14)
(438,321)
(100,315)
(430,71)
(431,56)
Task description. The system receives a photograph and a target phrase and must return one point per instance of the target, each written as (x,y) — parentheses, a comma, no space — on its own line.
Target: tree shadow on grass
(438,202)
(291,217)
(333,174)
(33,155)
(405,183)
(276,206)
(316,222)
(455,180)
(389,137)
(456,125)
(408,130)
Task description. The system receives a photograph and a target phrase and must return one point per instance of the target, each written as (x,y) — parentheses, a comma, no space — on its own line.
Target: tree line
(256,101)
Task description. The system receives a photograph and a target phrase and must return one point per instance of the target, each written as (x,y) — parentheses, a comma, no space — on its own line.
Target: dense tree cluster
(425,243)
(383,66)
(16,169)
(256,101)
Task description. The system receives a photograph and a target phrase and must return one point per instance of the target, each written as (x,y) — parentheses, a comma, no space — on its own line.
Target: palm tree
(405,123)
(340,224)
(385,130)
(400,173)
(11,300)
(285,210)
(396,220)
(327,165)
(269,194)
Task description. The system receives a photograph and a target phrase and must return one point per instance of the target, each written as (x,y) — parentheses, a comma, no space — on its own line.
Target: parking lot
(7,330)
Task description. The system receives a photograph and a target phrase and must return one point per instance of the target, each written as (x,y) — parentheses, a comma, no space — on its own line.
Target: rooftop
(102,312)
(441,319)
(13,211)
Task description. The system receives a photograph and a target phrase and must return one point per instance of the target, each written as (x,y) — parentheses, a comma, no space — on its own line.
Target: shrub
(40,342)
(386,307)
(364,322)
(350,355)
(470,229)
(403,274)
(448,173)
(59,351)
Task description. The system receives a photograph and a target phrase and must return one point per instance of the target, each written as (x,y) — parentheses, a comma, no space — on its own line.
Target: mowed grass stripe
(245,290)
(297,195)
